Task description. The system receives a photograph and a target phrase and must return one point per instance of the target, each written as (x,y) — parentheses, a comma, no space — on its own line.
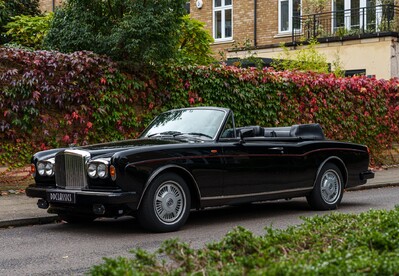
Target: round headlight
(102,170)
(49,169)
(92,170)
(41,168)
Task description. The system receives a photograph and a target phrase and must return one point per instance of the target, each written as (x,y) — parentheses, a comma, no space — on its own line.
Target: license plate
(63,197)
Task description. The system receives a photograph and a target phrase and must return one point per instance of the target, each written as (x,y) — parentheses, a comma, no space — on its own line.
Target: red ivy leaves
(82,98)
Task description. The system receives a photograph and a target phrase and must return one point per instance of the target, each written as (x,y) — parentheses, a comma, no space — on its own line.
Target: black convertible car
(193,158)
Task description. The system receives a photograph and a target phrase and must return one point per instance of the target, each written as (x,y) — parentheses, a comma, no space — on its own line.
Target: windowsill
(284,35)
(217,42)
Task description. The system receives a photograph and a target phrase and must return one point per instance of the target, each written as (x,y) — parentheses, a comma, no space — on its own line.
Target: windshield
(197,122)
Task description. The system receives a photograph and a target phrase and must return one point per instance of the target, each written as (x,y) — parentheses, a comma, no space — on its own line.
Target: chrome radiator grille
(70,169)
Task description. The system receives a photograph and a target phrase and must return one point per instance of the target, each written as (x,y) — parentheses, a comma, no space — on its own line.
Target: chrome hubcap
(330,187)
(169,202)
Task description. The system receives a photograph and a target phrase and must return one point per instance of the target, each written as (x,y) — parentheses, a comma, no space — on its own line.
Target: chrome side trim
(257,194)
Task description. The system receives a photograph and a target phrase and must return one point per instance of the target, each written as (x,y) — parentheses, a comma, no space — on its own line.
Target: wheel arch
(182,172)
(339,163)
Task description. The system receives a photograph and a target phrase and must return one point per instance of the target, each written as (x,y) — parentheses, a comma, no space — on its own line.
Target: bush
(335,244)
(306,58)
(194,43)
(11,8)
(51,99)
(357,109)
(27,30)
(137,33)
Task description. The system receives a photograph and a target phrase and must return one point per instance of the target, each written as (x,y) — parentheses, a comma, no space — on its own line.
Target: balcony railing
(345,24)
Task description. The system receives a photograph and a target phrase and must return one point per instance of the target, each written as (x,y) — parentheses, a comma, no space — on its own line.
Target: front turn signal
(33,170)
(112,172)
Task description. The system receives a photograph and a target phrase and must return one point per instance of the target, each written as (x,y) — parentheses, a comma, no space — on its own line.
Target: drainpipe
(255,23)
(53,5)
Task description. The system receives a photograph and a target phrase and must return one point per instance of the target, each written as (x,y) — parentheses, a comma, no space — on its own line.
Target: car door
(264,167)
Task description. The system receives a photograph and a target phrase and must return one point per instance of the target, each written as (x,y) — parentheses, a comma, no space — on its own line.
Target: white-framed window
(287,9)
(359,14)
(222,20)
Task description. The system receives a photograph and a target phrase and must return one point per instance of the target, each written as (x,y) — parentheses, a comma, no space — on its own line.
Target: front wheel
(166,204)
(328,190)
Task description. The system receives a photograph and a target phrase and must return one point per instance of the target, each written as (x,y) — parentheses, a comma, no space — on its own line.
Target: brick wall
(243,23)
(47,5)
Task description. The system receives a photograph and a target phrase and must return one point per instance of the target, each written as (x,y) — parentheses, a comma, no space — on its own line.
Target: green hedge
(50,99)
(335,244)
(358,109)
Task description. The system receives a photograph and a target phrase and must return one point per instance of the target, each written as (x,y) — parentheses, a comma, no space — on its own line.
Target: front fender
(187,176)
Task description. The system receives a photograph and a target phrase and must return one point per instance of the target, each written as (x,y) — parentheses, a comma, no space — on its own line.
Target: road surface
(66,249)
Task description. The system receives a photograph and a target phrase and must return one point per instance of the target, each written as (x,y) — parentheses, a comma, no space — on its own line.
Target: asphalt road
(64,249)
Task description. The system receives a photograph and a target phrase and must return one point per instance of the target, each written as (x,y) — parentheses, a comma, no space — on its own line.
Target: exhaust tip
(42,204)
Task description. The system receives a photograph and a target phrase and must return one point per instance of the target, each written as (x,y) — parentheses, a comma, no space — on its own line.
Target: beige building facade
(49,5)
(361,34)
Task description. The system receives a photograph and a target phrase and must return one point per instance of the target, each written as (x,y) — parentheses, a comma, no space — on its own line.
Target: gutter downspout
(255,23)
(53,5)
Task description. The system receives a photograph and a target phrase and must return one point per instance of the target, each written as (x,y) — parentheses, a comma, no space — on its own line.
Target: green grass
(334,244)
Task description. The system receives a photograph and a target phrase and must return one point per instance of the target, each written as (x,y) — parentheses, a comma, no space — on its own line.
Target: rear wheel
(328,190)
(166,204)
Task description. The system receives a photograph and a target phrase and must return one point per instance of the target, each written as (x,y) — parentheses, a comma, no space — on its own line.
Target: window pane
(355,13)
(339,7)
(227,23)
(218,3)
(284,15)
(218,27)
(370,13)
(227,2)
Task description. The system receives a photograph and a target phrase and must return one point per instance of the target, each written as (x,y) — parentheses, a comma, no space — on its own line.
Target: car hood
(105,150)
(108,149)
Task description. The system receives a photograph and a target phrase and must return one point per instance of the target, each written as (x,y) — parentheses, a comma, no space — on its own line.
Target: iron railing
(360,22)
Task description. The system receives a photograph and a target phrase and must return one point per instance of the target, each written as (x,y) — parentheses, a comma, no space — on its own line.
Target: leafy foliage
(3,13)
(139,33)
(50,99)
(26,7)
(27,30)
(335,244)
(194,43)
(306,58)
(11,8)
(250,58)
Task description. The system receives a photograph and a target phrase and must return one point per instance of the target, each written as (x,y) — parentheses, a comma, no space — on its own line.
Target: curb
(28,221)
(373,186)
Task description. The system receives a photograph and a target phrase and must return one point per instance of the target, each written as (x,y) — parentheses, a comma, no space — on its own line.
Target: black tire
(166,204)
(76,219)
(328,190)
